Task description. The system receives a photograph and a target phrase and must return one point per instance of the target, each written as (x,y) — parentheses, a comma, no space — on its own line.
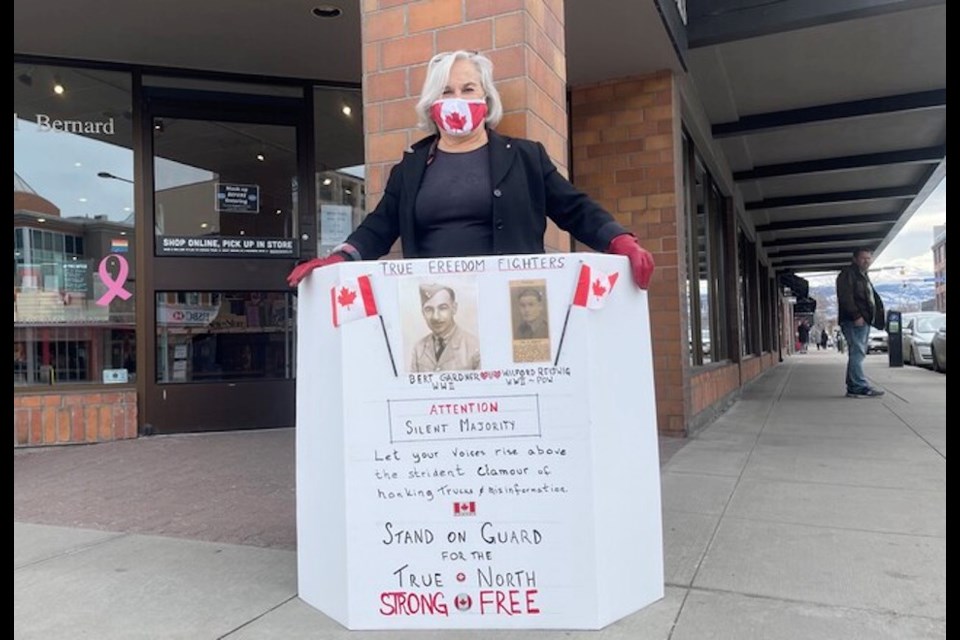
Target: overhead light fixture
(41,220)
(261,157)
(327,182)
(346,110)
(279,211)
(58,87)
(204,225)
(158,125)
(327,11)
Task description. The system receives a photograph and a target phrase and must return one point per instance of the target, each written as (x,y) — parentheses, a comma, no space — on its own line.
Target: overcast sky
(911,250)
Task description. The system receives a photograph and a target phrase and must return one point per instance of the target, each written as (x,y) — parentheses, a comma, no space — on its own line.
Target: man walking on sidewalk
(860,308)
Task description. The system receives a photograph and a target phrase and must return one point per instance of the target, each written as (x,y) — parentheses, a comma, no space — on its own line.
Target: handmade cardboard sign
(476,444)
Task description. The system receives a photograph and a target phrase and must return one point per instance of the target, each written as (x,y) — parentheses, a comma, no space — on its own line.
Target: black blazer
(527,188)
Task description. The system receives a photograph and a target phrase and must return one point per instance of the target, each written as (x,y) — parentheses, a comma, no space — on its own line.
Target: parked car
(918,332)
(938,349)
(877,340)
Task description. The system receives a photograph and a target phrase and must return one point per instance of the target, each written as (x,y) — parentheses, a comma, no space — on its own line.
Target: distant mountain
(904,296)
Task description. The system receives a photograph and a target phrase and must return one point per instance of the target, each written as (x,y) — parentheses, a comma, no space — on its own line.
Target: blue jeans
(856,338)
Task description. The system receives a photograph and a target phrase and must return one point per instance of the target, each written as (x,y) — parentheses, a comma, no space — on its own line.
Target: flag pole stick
(563,332)
(389,350)
(566,318)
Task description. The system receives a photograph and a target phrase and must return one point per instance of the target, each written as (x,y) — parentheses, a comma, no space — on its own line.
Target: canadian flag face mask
(458,117)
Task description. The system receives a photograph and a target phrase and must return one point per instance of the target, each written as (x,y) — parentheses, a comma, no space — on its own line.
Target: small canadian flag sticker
(464,508)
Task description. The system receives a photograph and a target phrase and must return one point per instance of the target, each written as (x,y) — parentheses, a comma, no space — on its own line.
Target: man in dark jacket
(859,308)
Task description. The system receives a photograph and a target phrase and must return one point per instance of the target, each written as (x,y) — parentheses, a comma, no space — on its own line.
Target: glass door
(223,179)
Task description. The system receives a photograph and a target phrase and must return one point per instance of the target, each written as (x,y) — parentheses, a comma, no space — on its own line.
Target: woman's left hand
(641,260)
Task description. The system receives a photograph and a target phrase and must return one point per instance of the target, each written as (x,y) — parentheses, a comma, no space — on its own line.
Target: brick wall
(626,145)
(712,385)
(73,418)
(753,366)
(523,38)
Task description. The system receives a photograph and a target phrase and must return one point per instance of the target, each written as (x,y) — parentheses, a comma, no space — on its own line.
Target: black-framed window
(222,336)
(746,270)
(341,174)
(766,309)
(707,263)
(74,225)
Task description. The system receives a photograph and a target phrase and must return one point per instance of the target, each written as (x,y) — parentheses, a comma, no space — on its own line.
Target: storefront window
(340,176)
(707,263)
(73,223)
(225,336)
(224,188)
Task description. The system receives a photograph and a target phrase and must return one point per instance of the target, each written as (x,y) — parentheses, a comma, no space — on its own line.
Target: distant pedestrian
(823,340)
(803,335)
(860,308)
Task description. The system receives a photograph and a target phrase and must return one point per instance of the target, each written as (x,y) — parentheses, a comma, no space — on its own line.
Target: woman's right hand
(301,271)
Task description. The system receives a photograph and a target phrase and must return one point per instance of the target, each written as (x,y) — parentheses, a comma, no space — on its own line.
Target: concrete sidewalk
(798,514)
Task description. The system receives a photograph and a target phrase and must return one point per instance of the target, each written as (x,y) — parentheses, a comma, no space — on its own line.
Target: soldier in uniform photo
(533,319)
(447,347)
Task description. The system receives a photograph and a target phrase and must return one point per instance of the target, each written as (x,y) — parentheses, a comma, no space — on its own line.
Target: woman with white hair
(466,190)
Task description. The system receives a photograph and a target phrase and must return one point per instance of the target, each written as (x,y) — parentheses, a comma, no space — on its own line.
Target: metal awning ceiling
(832,116)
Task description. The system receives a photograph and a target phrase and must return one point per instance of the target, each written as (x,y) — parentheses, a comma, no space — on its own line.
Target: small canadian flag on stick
(352,299)
(593,287)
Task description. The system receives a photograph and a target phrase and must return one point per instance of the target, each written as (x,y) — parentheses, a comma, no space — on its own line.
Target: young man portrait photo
(447,346)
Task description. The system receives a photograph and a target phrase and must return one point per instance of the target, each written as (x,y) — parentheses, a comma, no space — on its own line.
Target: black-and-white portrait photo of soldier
(530,313)
(530,323)
(447,346)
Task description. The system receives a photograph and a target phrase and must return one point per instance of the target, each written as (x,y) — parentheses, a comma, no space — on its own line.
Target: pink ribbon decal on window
(114,286)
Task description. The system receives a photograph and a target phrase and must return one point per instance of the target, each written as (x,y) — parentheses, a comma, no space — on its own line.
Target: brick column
(627,155)
(523,38)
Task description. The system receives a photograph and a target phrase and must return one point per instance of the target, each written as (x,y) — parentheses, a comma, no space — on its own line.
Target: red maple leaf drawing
(346,297)
(598,288)
(456,121)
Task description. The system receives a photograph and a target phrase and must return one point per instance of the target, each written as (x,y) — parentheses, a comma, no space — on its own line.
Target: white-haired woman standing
(465,190)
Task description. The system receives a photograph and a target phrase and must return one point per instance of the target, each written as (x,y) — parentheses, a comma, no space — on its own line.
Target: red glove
(301,271)
(641,260)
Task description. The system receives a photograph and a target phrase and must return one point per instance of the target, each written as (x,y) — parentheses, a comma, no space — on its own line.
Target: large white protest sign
(482,452)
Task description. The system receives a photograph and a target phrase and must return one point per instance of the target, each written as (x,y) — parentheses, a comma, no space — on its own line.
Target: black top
(453,207)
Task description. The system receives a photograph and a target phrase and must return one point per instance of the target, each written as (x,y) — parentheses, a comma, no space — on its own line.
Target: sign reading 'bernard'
(45,123)
(476,444)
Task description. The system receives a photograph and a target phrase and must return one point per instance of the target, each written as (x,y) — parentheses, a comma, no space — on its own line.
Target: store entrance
(222,178)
